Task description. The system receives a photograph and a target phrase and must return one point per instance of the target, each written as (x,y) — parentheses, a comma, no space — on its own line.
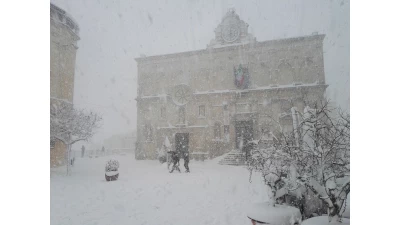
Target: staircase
(234,158)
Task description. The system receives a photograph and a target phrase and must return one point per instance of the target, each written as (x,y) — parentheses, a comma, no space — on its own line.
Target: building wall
(279,62)
(261,107)
(283,74)
(58,154)
(63,46)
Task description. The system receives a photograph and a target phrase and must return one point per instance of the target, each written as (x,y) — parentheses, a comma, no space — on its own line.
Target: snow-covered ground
(146,193)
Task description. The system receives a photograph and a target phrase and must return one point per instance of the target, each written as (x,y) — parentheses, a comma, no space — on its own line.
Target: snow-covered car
(324,220)
(268,213)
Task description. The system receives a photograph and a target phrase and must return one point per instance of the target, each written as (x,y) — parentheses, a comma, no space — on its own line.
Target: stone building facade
(235,89)
(64,34)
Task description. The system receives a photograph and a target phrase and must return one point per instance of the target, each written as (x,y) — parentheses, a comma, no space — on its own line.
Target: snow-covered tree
(323,162)
(275,164)
(70,125)
(315,155)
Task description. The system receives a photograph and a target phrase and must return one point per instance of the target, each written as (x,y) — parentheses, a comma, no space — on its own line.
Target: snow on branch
(71,125)
(316,155)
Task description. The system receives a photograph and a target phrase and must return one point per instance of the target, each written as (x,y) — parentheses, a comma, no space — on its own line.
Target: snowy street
(146,193)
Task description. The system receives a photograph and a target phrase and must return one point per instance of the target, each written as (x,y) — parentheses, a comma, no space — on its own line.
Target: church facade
(206,101)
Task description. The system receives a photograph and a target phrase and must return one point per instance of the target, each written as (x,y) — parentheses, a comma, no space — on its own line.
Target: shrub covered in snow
(274,214)
(112,165)
(324,220)
(314,156)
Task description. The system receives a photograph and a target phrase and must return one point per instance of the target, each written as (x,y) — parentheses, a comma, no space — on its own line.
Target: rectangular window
(217,130)
(181,115)
(226,132)
(163,113)
(202,111)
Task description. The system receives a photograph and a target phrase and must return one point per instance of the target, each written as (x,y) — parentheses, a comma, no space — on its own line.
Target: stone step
(239,156)
(233,164)
(237,159)
(233,158)
(232,161)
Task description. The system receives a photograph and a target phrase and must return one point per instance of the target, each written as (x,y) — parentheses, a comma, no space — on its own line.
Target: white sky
(113,33)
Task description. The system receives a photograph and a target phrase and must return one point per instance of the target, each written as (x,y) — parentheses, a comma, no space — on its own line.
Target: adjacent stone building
(64,33)
(207,101)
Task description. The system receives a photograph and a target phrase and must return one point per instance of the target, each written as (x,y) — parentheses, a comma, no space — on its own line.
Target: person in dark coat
(175,161)
(186,160)
(83,151)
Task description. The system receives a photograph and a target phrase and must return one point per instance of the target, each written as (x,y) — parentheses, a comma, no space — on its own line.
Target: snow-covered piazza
(146,193)
(237,122)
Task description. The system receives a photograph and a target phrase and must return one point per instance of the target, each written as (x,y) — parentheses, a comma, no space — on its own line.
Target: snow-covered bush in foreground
(274,214)
(324,220)
(277,171)
(112,165)
(315,156)
(112,170)
(323,160)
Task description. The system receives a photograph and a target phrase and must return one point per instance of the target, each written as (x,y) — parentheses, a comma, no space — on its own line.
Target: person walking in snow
(175,161)
(186,160)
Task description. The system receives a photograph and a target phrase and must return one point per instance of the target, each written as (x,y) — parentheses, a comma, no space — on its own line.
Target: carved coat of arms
(241,76)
